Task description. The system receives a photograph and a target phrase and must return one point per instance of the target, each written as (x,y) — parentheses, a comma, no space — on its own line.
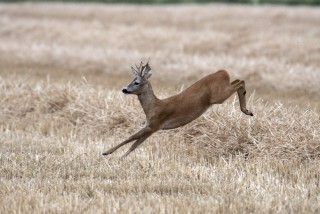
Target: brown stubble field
(61,70)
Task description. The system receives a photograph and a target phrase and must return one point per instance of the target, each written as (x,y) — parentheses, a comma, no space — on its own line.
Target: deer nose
(125,91)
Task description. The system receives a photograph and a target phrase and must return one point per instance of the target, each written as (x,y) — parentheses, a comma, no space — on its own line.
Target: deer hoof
(106,153)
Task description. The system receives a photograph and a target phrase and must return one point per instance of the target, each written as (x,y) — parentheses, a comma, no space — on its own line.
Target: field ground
(61,70)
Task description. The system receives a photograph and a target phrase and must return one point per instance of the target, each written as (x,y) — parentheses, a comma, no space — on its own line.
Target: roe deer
(182,108)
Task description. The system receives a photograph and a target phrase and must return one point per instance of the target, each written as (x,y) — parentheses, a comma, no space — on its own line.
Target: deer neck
(148,100)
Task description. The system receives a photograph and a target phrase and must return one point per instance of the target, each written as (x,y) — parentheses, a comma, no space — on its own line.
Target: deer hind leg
(140,134)
(239,86)
(234,82)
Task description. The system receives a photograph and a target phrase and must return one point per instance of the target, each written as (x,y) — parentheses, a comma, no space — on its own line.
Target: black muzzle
(125,91)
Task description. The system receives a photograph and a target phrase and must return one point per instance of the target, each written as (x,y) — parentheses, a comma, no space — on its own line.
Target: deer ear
(147,74)
(135,73)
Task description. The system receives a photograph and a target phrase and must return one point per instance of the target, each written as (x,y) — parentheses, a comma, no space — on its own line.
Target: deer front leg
(240,87)
(136,136)
(137,143)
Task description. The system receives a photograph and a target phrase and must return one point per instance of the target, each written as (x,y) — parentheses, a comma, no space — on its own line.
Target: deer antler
(141,67)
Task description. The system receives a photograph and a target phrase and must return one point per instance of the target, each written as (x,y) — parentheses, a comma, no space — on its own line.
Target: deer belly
(182,119)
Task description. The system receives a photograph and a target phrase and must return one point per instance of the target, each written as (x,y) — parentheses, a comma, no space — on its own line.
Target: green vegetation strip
(289,2)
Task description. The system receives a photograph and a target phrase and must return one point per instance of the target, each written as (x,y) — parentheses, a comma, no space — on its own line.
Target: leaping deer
(182,108)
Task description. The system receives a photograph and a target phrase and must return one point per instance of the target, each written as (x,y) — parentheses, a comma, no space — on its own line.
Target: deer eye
(136,83)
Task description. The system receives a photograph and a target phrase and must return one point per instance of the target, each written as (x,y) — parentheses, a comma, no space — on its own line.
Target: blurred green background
(290,2)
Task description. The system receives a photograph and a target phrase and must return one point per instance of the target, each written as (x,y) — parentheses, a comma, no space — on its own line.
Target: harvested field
(62,67)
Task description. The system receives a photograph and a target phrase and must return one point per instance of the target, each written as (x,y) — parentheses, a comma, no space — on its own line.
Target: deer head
(139,84)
